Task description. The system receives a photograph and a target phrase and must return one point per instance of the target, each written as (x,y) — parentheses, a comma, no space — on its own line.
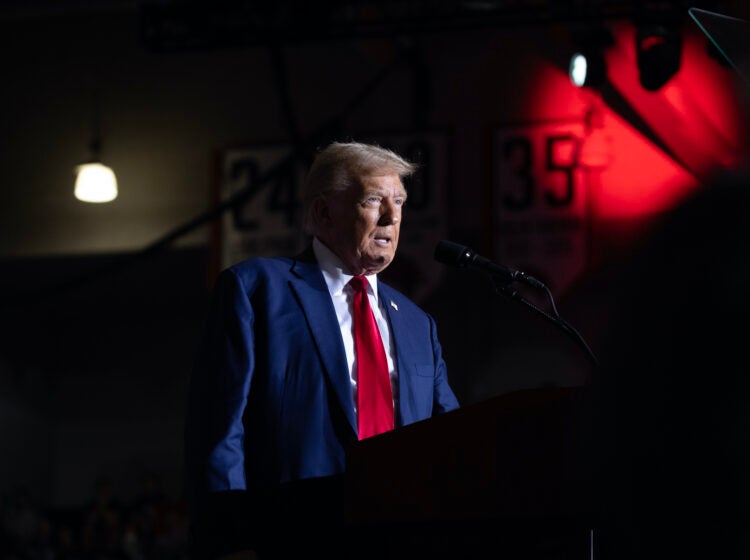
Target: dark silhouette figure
(672,428)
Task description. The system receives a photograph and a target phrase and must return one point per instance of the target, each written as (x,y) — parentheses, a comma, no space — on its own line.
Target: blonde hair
(340,166)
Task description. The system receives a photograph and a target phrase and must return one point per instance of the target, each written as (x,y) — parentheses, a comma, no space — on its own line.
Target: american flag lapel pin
(393,304)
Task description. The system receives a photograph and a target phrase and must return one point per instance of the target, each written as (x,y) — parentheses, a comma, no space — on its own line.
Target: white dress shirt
(342,296)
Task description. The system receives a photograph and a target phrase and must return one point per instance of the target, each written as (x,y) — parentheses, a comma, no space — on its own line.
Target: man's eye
(399,201)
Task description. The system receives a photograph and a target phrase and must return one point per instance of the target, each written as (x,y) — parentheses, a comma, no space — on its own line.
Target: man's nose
(391,213)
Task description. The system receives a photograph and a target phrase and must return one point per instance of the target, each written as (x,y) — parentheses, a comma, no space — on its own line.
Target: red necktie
(374,396)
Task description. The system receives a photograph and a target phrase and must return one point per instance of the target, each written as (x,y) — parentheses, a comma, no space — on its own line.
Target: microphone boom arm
(461,256)
(502,286)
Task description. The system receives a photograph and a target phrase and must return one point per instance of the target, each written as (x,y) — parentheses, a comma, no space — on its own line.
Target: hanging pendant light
(95,182)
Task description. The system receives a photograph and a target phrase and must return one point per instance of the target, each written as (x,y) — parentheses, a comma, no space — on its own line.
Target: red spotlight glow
(696,116)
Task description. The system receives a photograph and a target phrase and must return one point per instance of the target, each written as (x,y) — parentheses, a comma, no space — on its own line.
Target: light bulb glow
(578,69)
(95,182)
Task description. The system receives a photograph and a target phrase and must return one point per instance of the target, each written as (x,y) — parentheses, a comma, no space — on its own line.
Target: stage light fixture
(587,67)
(658,54)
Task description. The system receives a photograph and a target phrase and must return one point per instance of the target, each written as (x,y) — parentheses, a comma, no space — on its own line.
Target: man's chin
(377,263)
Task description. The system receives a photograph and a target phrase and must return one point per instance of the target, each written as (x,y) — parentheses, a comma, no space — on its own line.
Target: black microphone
(455,254)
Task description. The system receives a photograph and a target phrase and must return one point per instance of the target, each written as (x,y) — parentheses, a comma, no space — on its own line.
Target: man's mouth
(382,241)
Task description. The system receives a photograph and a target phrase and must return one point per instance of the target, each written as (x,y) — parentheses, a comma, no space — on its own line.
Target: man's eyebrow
(382,192)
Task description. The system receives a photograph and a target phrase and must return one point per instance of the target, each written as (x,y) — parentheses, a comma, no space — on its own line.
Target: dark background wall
(102,305)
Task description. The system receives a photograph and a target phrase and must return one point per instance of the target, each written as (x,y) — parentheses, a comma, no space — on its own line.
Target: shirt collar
(333,270)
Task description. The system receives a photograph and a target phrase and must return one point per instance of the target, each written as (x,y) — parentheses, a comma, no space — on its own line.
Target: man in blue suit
(272,407)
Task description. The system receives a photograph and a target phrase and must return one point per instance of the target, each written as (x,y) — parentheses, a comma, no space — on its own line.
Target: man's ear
(321,211)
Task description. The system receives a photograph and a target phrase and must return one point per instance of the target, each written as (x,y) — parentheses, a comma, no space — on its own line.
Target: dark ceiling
(190,25)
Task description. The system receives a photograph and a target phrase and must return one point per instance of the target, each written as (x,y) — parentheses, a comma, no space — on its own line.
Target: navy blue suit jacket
(271,399)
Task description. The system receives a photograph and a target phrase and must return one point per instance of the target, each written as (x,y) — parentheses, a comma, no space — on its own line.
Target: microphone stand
(503,287)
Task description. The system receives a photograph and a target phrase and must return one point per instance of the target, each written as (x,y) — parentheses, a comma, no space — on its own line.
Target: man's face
(361,225)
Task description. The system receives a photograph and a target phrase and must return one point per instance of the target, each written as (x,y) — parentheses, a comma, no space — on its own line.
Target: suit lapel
(313,296)
(399,329)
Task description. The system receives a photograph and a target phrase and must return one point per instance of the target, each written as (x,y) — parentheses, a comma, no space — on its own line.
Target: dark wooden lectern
(511,475)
